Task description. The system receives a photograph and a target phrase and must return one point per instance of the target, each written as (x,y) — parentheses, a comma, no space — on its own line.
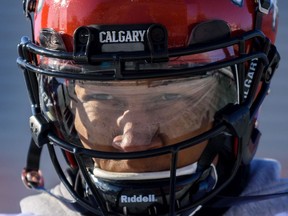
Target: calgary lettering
(138,199)
(122,36)
(250,75)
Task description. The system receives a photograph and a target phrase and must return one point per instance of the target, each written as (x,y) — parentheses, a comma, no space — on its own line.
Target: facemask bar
(82,152)
(26,47)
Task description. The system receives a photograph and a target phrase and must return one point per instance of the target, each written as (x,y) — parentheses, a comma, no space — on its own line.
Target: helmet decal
(250,75)
(121,36)
(138,198)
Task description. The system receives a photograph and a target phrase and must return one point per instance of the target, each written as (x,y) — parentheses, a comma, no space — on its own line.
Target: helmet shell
(179,17)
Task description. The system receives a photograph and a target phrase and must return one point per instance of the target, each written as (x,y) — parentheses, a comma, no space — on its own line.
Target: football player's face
(132,116)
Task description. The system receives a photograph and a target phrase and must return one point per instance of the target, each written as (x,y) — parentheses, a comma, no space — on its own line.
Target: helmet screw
(157,34)
(83,36)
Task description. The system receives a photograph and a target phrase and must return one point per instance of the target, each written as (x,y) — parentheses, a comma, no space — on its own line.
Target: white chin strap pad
(190,169)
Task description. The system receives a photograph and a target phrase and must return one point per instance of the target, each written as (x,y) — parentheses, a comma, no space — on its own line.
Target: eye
(169,97)
(97,97)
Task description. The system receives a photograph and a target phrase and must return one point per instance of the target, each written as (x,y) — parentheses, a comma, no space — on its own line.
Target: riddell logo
(138,199)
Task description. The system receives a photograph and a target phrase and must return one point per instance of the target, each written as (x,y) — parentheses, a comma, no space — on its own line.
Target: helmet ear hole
(209,31)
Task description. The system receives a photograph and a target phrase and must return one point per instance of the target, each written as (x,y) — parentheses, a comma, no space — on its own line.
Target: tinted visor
(174,109)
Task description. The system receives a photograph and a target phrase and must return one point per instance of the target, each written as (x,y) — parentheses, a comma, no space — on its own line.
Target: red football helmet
(154,102)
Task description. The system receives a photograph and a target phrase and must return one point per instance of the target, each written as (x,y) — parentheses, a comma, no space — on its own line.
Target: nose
(139,133)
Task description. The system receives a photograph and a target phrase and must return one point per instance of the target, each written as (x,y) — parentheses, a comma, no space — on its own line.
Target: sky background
(15,109)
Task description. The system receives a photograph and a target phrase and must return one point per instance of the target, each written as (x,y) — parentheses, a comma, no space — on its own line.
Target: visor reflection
(134,112)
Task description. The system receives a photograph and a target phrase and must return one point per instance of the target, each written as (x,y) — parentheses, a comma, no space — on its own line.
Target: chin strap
(33,179)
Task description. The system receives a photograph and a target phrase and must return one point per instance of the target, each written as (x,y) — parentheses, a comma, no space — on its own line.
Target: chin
(134,165)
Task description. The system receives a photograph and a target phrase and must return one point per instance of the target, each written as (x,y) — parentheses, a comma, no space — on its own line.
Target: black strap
(214,147)
(31,175)
(33,157)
